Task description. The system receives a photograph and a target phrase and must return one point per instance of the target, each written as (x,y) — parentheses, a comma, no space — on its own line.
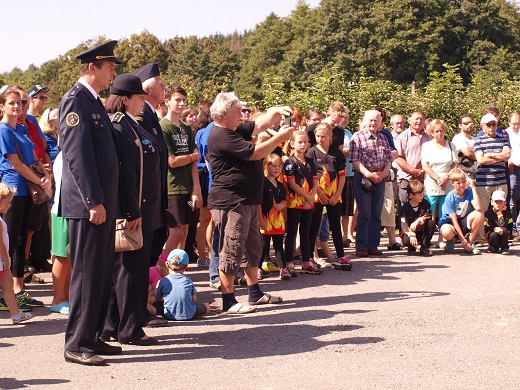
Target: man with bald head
(371,158)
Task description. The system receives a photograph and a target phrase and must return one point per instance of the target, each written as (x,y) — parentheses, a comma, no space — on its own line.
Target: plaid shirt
(371,150)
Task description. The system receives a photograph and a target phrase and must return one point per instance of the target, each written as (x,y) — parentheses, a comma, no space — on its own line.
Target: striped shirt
(491,174)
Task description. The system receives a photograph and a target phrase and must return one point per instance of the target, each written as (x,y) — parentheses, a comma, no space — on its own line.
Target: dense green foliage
(461,55)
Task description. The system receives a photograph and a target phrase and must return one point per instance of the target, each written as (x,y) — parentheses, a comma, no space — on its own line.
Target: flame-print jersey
(303,174)
(274,219)
(329,167)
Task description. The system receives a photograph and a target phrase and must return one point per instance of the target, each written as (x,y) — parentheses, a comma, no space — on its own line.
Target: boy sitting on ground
(498,224)
(461,213)
(416,220)
(177,290)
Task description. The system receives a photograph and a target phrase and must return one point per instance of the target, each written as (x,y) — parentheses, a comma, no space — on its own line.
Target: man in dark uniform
(89,200)
(150,77)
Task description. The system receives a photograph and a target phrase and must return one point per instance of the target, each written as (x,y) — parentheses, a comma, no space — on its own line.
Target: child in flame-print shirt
(271,216)
(330,166)
(302,183)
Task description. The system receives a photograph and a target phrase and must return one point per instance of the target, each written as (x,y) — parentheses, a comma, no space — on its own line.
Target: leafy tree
(139,50)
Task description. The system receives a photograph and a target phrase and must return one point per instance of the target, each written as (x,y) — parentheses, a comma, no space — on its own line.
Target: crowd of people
(214,186)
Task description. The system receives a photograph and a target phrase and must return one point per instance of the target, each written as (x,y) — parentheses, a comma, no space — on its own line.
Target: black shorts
(347,197)
(179,212)
(203,180)
(463,223)
(39,216)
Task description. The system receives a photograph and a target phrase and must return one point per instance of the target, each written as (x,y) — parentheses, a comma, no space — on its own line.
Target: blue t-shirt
(8,135)
(201,139)
(178,291)
(52,147)
(453,204)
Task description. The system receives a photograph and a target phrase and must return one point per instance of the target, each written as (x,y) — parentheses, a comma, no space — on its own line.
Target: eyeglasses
(244,110)
(42,98)
(492,124)
(467,123)
(24,102)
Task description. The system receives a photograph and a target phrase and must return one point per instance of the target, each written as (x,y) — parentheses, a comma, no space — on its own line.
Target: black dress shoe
(144,342)
(85,358)
(107,349)
(155,322)
(107,339)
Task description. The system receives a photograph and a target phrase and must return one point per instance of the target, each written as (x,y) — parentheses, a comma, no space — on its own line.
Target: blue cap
(178,256)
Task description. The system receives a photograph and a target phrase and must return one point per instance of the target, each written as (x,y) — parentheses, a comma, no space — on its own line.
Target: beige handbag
(127,240)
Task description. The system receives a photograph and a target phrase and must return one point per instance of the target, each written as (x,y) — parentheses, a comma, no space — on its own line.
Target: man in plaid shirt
(371,157)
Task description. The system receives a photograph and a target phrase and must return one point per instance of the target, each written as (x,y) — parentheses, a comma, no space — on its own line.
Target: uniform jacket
(150,123)
(151,209)
(90,157)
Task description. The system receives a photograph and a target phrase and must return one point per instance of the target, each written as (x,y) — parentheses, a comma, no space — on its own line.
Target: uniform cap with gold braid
(101,52)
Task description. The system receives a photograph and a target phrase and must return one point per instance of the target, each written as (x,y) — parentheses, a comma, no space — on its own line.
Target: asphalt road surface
(394,322)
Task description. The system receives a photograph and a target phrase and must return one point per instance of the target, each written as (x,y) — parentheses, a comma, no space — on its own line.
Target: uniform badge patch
(72,119)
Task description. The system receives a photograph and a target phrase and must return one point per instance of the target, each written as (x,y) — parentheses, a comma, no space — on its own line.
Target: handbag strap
(20,157)
(138,143)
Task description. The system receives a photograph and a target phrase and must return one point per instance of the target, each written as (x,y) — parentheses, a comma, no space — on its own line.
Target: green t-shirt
(180,142)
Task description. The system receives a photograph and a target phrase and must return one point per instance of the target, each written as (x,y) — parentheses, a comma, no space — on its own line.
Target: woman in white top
(438,157)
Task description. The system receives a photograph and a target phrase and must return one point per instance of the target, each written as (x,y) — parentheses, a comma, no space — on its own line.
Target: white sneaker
(323,263)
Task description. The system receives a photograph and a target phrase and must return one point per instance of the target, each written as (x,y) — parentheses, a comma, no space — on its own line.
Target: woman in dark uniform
(127,312)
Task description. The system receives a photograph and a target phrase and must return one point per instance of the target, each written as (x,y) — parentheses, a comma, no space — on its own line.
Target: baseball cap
(36,89)
(488,118)
(178,256)
(498,195)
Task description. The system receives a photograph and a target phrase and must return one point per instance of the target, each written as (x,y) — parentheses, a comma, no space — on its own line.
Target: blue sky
(52,27)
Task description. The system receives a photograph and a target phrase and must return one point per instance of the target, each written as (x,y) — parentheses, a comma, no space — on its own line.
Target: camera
(290,121)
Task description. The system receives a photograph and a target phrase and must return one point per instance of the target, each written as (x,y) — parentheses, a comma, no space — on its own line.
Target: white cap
(488,118)
(498,195)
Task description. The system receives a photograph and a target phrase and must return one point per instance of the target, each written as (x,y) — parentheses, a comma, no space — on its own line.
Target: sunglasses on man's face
(42,98)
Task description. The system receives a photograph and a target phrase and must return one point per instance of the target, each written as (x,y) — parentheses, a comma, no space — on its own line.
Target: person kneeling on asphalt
(461,213)
(416,220)
(498,223)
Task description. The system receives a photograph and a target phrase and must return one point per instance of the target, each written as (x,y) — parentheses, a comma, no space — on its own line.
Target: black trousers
(160,236)
(92,259)
(334,213)
(279,252)
(498,241)
(17,220)
(41,242)
(302,219)
(424,235)
(127,311)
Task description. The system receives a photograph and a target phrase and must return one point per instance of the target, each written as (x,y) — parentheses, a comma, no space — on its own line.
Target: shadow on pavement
(11,383)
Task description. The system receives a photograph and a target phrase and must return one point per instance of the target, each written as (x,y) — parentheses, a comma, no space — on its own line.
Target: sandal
(267,298)
(20,317)
(395,247)
(61,308)
(238,308)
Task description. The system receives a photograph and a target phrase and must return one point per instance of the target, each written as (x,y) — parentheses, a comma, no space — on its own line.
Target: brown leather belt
(375,169)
